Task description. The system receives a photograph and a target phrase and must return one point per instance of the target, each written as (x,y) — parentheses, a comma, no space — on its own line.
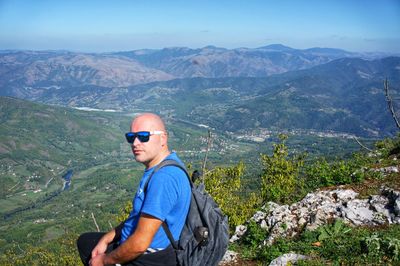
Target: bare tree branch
(209,141)
(390,102)
(359,143)
(208,172)
(95,223)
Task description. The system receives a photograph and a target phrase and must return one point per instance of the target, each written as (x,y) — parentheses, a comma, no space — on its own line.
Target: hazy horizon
(103,26)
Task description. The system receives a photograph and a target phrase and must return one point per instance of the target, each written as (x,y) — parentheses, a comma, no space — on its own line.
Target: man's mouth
(137,152)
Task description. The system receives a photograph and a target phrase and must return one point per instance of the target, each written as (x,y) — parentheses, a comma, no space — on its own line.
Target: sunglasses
(143,136)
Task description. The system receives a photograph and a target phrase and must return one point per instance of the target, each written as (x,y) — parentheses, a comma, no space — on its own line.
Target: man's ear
(164,139)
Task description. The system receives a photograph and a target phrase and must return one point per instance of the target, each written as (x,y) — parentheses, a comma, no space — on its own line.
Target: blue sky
(104,26)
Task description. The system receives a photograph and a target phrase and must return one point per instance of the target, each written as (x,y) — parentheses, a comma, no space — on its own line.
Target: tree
(224,184)
(279,176)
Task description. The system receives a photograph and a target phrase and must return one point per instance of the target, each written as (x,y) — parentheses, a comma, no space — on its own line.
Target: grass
(53,232)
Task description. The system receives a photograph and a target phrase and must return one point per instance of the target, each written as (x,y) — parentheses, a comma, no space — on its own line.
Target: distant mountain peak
(213,47)
(277,47)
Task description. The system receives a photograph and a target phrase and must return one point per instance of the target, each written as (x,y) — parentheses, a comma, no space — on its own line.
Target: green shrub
(333,231)
(339,172)
(280,247)
(124,212)
(388,146)
(377,246)
(324,174)
(225,186)
(279,177)
(252,240)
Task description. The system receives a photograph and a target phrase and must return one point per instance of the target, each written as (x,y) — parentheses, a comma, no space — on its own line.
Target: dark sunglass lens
(143,136)
(130,137)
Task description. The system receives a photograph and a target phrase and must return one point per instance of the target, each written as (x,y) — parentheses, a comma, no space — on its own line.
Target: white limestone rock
(229,257)
(358,212)
(239,232)
(379,205)
(285,259)
(258,216)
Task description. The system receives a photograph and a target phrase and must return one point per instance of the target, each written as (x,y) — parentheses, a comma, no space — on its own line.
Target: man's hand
(97,260)
(102,245)
(99,249)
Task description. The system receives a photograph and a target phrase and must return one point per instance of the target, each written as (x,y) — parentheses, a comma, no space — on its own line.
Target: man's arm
(137,243)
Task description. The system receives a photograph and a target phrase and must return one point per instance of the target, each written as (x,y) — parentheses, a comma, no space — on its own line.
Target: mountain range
(214,62)
(274,87)
(43,68)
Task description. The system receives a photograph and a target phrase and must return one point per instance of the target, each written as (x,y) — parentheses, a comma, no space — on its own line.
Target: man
(142,240)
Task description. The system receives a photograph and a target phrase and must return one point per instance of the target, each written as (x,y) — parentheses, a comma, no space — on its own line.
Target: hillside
(19,69)
(39,143)
(319,90)
(343,96)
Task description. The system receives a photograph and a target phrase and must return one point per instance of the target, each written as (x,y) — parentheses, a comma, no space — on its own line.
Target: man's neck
(158,159)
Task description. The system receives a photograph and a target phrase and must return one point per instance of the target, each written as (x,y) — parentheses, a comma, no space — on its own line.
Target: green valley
(40,143)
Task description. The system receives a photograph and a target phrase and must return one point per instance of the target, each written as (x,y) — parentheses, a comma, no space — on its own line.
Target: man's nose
(136,141)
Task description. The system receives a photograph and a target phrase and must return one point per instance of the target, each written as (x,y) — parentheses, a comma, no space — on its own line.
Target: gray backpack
(205,235)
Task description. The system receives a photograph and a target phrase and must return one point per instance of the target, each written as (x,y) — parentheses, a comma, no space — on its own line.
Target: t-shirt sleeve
(163,192)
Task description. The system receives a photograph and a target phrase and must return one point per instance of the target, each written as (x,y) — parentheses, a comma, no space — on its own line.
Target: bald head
(148,121)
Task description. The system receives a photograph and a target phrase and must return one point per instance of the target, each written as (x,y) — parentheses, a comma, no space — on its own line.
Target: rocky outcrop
(318,208)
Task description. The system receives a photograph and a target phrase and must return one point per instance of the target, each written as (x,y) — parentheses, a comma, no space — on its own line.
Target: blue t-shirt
(167,198)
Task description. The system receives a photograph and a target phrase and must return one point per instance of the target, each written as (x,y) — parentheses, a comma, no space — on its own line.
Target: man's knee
(86,243)
(88,240)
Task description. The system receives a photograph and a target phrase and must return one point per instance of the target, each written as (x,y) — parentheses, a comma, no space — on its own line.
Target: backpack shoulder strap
(168,162)
(164,163)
